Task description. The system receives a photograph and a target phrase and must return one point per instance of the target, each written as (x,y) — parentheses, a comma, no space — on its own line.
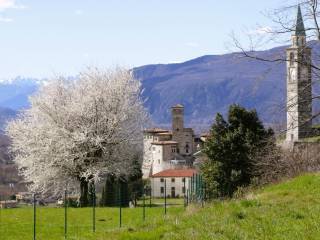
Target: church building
(169,149)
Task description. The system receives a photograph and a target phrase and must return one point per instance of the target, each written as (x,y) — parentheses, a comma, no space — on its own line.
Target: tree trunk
(84,192)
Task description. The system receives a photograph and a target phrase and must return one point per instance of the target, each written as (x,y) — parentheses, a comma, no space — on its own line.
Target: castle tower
(178,125)
(183,136)
(177,118)
(299,90)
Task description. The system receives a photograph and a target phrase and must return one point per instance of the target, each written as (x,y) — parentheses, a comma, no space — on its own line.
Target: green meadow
(289,210)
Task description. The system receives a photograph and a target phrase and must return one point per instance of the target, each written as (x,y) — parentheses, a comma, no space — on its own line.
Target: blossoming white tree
(79,130)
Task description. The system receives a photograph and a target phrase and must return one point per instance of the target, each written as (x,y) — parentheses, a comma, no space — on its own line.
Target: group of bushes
(241,151)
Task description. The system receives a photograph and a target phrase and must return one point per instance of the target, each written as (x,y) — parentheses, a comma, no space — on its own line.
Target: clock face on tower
(292,75)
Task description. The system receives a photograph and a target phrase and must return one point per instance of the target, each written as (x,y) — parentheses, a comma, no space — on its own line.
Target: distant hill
(14,94)
(5,115)
(209,84)
(205,85)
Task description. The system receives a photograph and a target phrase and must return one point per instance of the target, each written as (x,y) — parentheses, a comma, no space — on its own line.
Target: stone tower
(177,118)
(299,90)
(183,136)
(178,125)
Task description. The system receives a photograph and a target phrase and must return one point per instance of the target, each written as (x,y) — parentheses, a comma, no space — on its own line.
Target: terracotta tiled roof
(175,173)
(165,133)
(165,143)
(156,130)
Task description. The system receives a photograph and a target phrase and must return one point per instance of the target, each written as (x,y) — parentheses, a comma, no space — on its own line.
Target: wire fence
(69,222)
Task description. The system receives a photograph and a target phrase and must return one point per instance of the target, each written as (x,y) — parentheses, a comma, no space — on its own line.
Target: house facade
(171,182)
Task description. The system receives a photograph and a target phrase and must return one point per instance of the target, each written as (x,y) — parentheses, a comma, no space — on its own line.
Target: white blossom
(80,128)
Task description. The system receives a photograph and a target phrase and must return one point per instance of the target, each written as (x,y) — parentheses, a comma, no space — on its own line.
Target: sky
(42,38)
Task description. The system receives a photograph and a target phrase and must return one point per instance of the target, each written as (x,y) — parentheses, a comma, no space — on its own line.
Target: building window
(161,180)
(162,190)
(153,148)
(173,149)
(173,179)
(183,179)
(158,161)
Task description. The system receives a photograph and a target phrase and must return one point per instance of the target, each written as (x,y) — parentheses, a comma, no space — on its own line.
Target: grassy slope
(290,210)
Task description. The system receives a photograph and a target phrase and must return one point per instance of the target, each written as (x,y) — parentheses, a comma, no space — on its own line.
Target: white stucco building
(172,182)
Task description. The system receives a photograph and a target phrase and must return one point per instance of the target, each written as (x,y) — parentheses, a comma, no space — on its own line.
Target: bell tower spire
(299,33)
(299,91)
(300,30)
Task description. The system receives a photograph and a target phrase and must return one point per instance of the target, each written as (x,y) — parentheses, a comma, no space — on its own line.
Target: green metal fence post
(184,192)
(192,187)
(34,216)
(165,196)
(189,190)
(199,188)
(120,203)
(144,205)
(93,194)
(65,214)
(150,197)
(202,191)
(196,186)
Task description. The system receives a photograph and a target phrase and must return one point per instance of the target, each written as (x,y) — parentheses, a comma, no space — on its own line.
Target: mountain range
(204,85)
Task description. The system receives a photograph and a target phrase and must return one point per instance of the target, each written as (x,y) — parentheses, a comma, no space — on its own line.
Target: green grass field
(290,210)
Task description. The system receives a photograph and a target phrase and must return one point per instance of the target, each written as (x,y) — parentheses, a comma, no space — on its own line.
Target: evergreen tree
(103,197)
(91,193)
(230,150)
(123,186)
(109,196)
(135,181)
(130,185)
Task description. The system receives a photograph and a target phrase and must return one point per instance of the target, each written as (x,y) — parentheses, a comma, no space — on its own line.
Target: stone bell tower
(177,118)
(178,125)
(299,89)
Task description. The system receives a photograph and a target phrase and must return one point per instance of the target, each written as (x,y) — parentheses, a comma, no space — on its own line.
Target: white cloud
(78,12)
(260,31)
(7,4)
(192,44)
(6,20)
